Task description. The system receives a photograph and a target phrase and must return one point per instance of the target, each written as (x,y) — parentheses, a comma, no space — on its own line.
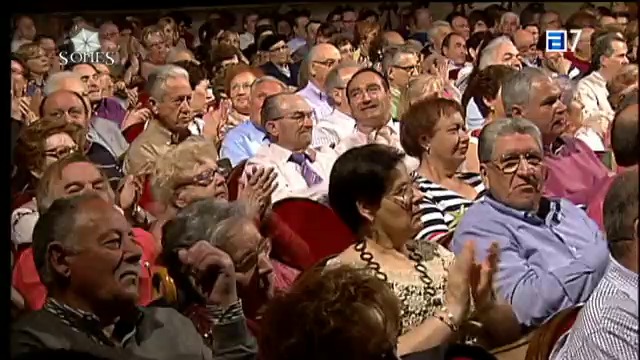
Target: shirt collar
(625,278)
(282,155)
(316,91)
(549,210)
(90,324)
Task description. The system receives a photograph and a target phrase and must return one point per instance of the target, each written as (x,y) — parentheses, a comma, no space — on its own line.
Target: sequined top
(417,303)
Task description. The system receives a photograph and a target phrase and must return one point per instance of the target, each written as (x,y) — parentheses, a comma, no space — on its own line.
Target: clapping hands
(468,279)
(260,185)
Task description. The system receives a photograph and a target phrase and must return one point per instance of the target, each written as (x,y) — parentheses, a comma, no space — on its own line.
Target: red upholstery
(316,224)
(132,132)
(234,180)
(146,199)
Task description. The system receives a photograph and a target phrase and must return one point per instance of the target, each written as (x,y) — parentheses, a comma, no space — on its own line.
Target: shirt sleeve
(432,221)
(234,150)
(534,291)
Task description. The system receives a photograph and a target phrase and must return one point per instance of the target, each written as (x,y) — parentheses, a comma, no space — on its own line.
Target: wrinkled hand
(128,192)
(132,97)
(481,279)
(458,292)
(261,183)
(21,110)
(216,119)
(136,116)
(212,273)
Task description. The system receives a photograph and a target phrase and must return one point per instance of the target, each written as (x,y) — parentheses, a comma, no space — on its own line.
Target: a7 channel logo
(557,40)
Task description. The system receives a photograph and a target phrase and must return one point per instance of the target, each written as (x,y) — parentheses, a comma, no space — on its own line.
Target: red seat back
(234,180)
(316,224)
(132,132)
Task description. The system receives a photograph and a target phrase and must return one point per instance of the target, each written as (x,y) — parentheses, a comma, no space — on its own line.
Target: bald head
(322,58)
(393,38)
(522,36)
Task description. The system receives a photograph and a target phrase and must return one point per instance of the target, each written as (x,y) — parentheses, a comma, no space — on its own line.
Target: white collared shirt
(332,128)
(290,182)
(593,93)
(358,138)
(317,99)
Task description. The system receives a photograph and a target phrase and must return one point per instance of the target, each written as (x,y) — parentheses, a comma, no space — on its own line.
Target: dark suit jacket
(271,70)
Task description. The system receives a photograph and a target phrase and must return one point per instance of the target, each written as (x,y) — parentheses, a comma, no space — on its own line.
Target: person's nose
(416,196)
(132,251)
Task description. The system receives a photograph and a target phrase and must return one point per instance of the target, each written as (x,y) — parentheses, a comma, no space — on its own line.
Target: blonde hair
(171,168)
(28,50)
(149,31)
(420,87)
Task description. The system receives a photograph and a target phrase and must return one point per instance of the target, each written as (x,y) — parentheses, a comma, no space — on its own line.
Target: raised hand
(481,279)
(256,193)
(136,116)
(458,292)
(211,272)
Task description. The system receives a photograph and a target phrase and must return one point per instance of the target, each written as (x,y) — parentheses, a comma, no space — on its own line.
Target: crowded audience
(376,183)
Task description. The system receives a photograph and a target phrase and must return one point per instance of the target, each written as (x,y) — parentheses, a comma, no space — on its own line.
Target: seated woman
(232,228)
(38,146)
(372,192)
(237,85)
(433,131)
(481,98)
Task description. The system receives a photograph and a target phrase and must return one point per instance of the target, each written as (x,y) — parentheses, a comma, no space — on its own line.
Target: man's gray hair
(488,55)
(503,127)
(211,220)
(436,28)
(175,55)
(603,46)
(268,78)
(57,224)
(157,81)
(54,82)
(334,80)
(517,88)
(505,16)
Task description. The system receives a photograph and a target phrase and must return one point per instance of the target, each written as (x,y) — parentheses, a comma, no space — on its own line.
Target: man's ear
(272,128)
(516,111)
(484,175)
(153,105)
(57,259)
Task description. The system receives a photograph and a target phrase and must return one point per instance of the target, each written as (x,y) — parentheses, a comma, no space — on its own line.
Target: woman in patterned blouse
(371,191)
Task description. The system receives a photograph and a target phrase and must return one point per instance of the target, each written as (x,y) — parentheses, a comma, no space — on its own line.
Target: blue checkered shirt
(607,325)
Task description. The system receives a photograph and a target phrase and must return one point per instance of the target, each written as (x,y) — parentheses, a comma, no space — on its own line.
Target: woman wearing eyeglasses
(38,146)
(237,84)
(371,190)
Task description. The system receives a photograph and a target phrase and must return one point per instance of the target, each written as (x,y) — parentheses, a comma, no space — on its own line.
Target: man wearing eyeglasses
(552,255)
(300,170)
(399,66)
(321,59)
(279,56)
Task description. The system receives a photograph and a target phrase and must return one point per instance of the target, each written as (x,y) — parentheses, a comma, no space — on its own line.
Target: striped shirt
(607,325)
(440,209)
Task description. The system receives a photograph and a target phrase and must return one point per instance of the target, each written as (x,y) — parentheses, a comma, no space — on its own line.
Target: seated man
(72,175)
(552,254)
(607,326)
(626,151)
(300,171)
(574,170)
(85,254)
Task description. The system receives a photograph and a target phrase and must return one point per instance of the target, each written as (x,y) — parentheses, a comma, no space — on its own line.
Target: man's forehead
(513,143)
(80,171)
(84,69)
(293,102)
(365,78)
(73,84)
(61,97)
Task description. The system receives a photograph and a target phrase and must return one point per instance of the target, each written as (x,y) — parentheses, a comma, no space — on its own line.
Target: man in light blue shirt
(243,141)
(607,325)
(552,254)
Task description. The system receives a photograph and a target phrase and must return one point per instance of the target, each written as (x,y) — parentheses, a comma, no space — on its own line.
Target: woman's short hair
(341,312)
(420,87)
(149,31)
(421,119)
(236,70)
(171,167)
(363,174)
(485,84)
(30,147)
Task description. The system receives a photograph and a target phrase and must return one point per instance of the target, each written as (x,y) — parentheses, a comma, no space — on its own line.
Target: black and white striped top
(440,209)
